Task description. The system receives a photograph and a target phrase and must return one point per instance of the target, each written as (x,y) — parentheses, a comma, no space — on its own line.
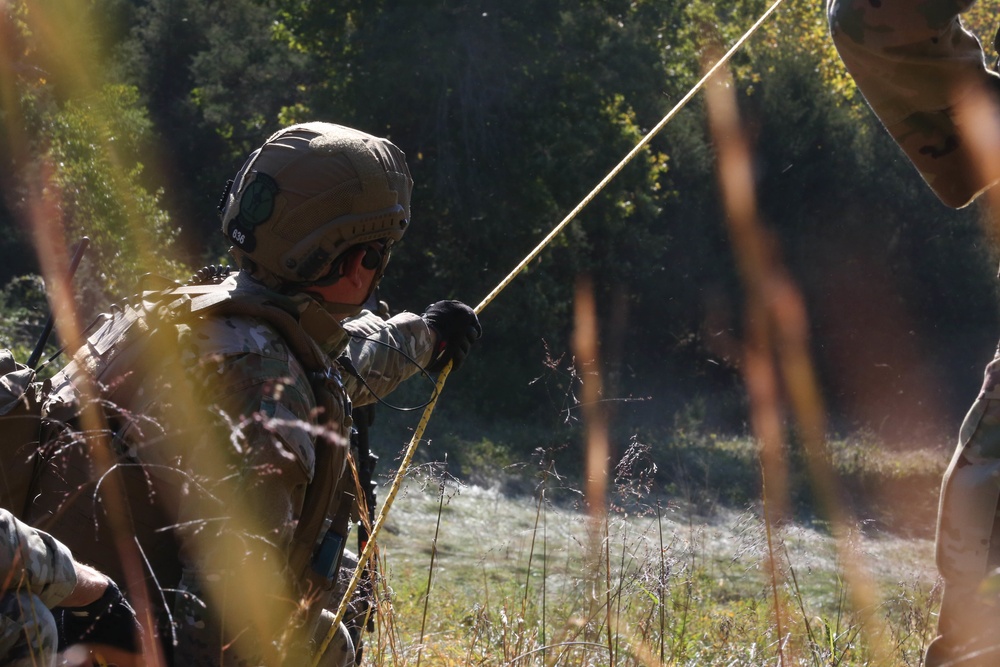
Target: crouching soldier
(228,403)
(49,601)
(920,69)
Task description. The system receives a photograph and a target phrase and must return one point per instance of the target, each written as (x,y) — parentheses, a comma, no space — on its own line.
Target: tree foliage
(510,112)
(95,149)
(79,149)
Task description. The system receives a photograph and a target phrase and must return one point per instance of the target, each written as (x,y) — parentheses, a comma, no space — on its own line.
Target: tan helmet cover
(311,192)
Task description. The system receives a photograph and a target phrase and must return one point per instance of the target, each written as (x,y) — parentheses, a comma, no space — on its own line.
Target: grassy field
(476,577)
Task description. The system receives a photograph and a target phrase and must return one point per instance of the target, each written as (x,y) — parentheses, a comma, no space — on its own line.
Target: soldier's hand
(457,328)
(109,621)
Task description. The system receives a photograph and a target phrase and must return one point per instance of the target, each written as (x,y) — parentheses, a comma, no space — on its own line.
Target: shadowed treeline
(127,118)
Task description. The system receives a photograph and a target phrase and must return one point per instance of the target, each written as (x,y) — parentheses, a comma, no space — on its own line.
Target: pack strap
(332,449)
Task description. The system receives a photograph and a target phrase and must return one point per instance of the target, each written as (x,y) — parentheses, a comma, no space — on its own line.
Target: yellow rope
(425,418)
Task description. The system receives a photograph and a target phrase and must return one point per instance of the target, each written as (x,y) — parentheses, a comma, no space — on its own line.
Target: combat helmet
(309,193)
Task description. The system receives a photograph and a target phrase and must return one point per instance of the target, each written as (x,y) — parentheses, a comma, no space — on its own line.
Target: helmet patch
(257,202)
(256,206)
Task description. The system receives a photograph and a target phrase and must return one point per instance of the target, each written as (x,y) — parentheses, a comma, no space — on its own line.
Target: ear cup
(372,258)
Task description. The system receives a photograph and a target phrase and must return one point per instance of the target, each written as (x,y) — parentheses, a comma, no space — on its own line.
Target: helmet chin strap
(344,310)
(338,310)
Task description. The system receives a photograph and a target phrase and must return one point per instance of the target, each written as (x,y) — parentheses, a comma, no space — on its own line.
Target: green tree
(217,79)
(899,287)
(23,312)
(509,112)
(95,145)
(77,146)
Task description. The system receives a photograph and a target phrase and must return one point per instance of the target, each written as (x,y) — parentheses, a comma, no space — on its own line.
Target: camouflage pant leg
(28,634)
(340,651)
(199,628)
(358,615)
(968,539)
(210,634)
(345,647)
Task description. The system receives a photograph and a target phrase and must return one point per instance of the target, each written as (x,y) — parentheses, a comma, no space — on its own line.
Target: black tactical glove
(109,620)
(457,328)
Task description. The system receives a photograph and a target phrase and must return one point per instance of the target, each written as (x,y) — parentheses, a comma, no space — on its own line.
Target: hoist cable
(628,158)
(411,448)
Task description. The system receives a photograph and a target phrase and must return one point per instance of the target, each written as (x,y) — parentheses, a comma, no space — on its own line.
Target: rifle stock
(43,339)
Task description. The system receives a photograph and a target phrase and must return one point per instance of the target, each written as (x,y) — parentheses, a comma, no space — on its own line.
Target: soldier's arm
(913,61)
(386,352)
(90,586)
(33,560)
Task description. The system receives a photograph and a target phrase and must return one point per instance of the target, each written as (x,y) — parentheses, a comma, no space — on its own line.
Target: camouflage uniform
(914,62)
(38,573)
(216,422)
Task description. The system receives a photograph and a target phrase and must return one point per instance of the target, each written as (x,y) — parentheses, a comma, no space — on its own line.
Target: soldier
(915,65)
(49,600)
(229,404)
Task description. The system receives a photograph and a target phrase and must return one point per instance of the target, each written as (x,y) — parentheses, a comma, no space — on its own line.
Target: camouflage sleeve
(385,352)
(35,560)
(913,61)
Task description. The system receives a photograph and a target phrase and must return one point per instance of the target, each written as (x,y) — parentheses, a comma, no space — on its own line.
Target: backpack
(27,428)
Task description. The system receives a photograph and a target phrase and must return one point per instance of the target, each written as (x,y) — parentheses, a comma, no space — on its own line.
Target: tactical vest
(118,343)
